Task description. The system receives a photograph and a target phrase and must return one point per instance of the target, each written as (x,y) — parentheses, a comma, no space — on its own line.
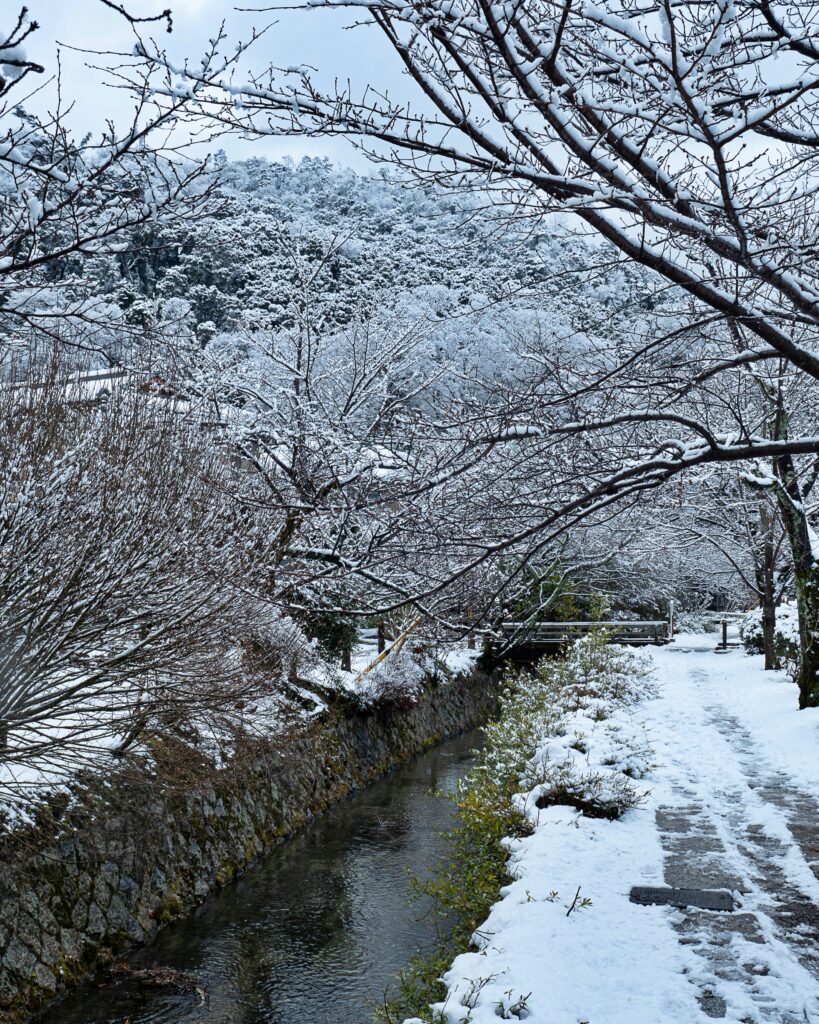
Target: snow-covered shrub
(124,582)
(399,679)
(551,712)
(697,620)
(566,780)
(786,635)
(596,673)
(578,695)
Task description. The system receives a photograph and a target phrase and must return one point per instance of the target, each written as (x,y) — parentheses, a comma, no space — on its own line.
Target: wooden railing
(551,634)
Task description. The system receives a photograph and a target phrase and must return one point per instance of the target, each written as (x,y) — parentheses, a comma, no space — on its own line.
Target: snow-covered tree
(67,201)
(659,128)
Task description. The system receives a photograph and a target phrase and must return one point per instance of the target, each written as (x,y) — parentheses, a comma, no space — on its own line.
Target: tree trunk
(131,736)
(806,578)
(767,597)
(769,633)
(807,603)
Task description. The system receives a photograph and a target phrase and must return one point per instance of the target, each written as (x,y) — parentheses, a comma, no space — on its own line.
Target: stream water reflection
(314,933)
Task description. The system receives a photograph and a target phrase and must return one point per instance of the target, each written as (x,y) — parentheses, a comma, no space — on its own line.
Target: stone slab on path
(704,899)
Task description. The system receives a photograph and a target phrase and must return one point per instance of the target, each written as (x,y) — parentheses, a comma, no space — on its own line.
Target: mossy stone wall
(102,872)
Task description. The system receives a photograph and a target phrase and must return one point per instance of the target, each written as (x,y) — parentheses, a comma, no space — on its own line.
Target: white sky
(313,37)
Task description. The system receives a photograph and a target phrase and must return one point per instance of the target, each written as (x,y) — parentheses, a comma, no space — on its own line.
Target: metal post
(725,634)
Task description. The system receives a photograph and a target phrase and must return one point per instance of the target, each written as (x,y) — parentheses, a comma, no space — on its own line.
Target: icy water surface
(316,931)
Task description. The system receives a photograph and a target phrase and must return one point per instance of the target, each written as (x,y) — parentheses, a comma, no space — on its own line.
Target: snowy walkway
(733,803)
(734,812)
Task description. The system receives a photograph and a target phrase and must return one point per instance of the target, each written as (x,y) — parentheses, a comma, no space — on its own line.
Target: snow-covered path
(735,811)
(732,802)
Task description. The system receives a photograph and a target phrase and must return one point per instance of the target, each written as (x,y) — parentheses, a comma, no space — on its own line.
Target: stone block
(129,891)
(79,915)
(119,919)
(28,930)
(159,880)
(18,959)
(45,978)
(50,950)
(71,944)
(84,885)
(96,925)
(67,852)
(109,873)
(101,892)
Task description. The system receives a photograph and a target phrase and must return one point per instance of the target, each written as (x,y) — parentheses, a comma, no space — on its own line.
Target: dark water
(316,931)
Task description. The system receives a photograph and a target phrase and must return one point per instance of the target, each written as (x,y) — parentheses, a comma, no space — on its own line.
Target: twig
(120,8)
(574,901)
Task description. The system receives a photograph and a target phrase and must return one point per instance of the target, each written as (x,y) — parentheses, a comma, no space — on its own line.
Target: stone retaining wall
(127,854)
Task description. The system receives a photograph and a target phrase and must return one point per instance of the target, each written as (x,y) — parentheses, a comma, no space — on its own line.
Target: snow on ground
(406,670)
(730,806)
(24,786)
(736,807)
(766,703)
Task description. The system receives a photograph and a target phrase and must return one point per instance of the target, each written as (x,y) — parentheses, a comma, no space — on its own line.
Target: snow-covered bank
(400,672)
(704,818)
(400,678)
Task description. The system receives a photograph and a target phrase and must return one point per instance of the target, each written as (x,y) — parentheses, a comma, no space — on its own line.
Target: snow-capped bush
(786,635)
(574,763)
(399,679)
(558,713)
(697,620)
(596,672)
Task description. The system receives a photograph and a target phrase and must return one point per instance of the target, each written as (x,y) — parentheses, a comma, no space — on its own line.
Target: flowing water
(314,933)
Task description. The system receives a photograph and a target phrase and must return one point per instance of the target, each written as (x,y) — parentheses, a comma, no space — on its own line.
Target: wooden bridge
(525,642)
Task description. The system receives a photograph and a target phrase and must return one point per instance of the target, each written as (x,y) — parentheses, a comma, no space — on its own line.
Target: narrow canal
(318,930)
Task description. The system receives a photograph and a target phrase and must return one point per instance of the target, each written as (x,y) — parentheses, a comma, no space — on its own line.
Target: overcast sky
(311,37)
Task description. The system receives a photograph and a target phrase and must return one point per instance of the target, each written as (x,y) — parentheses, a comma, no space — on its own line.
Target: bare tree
(126,597)
(336,430)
